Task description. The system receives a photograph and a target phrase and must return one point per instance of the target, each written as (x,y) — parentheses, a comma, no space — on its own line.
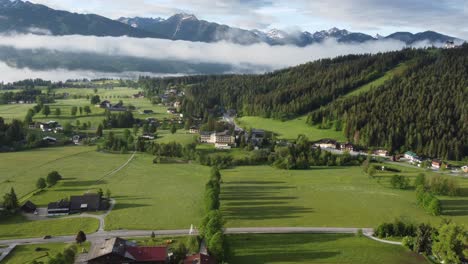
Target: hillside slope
(424,109)
(420,105)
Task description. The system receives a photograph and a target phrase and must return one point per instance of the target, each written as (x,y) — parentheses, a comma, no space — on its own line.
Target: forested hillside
(424,109)
(291,92)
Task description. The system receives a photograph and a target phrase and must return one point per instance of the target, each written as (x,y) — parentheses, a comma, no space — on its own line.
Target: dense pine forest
(283,94)
(425,109)
(422,109)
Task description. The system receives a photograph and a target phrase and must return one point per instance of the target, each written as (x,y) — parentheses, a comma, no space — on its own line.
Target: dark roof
(29,206)
(128,250)
(114,245)
(148,254)
(199,259)
(91,200)
(59,205)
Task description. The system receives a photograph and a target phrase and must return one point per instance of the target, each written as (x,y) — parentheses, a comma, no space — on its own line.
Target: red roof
(199,259)
(148,253)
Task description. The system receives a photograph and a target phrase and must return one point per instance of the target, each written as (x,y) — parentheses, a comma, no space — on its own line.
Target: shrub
(420,180)
(408,242)
(53,178)
(399,182)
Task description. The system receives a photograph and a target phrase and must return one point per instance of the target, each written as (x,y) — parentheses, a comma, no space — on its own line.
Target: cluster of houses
(435,164)
(119,251)
(106,104)
(51,126)
(77,204)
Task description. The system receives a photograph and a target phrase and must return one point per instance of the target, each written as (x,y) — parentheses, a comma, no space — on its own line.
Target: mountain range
(26,17)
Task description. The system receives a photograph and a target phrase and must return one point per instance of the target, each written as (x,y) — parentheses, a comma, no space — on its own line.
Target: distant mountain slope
(22,16)
(430,36)
(49,60)
(188,27)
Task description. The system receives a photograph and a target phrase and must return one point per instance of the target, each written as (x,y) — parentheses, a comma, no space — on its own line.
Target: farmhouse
(87,202)
(347,147)
(381,152)
(194,130)
(436,164)
(49,140)
(257,136)
(58,208)
(326,144)
(105,104)
(29,207)
(139,95)
(412,157)
(119,251)
(465,169)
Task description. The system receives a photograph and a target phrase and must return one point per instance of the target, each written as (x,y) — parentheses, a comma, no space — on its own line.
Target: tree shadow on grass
(455,207)
(89,183)
(122,206)
(276,248)
(259,200)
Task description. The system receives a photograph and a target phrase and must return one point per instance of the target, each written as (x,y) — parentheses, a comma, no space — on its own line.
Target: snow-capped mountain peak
(277,34)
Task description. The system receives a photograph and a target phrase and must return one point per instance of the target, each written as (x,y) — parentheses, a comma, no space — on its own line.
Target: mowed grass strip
(290,129)
(160,196)
(380,81)
(316,248)
(262,196)
(19,227)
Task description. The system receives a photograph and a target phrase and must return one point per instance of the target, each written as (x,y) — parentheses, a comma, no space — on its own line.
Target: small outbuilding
(29,207)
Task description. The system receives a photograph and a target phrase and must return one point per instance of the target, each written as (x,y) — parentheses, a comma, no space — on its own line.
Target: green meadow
(40,253)
(162,196)
(289,129)
(19,227)
(262,196)
(316,248)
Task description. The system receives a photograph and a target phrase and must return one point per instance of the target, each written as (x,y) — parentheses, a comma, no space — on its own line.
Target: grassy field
(380,81)
(314,248)
(27,253)
(163,196)
(19,227)
(80,167)
(260,196)
(289,129)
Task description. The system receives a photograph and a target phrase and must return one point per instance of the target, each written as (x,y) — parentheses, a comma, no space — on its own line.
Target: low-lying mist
(259,56)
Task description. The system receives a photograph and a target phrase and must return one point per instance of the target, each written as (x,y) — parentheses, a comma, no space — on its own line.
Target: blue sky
(368,16)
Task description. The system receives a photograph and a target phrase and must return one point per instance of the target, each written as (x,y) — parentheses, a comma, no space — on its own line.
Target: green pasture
(41,252)
(290,129)
(262,196)
(316,248)
(19,227)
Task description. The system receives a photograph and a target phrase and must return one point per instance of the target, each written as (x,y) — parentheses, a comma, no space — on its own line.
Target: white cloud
(221,52)
(11,74)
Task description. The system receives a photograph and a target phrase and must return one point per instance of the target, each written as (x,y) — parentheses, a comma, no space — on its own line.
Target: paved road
(143,233)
